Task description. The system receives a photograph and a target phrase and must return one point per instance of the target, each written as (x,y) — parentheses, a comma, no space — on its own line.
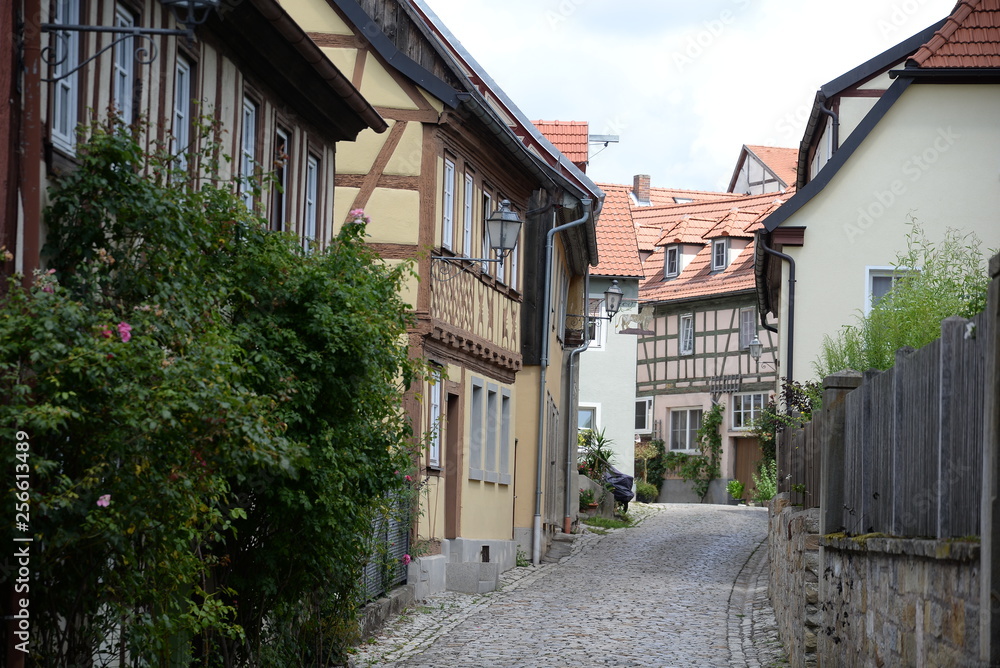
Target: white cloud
(684,84)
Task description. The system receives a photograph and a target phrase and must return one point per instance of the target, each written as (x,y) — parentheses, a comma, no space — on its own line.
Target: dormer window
(672,262)
(720,254)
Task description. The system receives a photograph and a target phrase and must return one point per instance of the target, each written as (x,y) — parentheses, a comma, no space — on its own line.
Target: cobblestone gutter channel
(686,587)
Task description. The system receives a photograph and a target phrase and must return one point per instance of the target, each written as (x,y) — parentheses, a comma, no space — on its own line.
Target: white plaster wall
(935,156)
(607,379)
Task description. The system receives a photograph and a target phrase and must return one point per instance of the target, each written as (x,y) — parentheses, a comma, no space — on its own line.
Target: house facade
(909,135)
(699,292)
(287,117)
(456,149)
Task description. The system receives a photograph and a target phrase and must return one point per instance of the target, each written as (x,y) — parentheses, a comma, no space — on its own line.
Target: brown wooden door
(747,455)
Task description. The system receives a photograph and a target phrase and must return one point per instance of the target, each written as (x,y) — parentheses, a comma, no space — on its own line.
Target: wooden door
(748,454)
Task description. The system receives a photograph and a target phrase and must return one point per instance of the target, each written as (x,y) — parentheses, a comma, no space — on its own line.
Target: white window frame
(748,326)
(182,113)
(685,334)
(594,410)
(596,313)
(123,67)
(448,205)
(467,214)
(720,260)
(873,272)
(692,417)
(278,213)
(65,90)
(513,264)
(310,216)
(487,210)
(675,251)
(434,448)
(506,425)
(645,405)
(248,151)
(746,407)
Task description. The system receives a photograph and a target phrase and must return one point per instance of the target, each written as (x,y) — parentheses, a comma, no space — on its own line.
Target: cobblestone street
(686,587)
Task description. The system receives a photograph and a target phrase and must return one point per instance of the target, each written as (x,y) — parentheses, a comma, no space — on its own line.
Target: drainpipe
(571,439)
(536,547)
(836,128)
(791,303)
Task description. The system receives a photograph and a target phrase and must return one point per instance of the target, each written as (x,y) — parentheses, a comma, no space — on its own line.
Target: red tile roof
(969,38)
(782,161)
(570,137)
(697,224)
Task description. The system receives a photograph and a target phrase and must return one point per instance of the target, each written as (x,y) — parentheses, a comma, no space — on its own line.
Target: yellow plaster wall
(408,291)
(316,16)
(406,159)
(380,89)
(343,58)
(358,156)
(393,214)
(487,510)
(343,199)
(526,433)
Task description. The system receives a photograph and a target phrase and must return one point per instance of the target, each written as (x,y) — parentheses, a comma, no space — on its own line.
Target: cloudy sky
(684,84)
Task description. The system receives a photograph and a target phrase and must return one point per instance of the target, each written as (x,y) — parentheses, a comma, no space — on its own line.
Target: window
(65,93)
(492,427)
(248,151)
(880,281)
(448,213)
(597,324)
(686,335)
(684,423)
(124,67)
(467,208)
(279,186)
(434,451)
(671,264)
(182,113)
(644,415)
(489,442)
(720,254)
(587,417)
(513,266)
(476,432)
(487,210)
(312,202)
(748,326)
(505,426)
(746,408)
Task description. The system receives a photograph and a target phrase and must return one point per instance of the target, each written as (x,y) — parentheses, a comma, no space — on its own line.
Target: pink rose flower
(406,559)
(106,333)
(104,500)
(125,331)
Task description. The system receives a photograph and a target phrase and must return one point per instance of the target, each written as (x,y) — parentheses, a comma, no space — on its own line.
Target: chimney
(640,188)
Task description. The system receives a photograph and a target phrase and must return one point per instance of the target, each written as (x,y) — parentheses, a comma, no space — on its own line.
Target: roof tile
(970,37)
(570,137)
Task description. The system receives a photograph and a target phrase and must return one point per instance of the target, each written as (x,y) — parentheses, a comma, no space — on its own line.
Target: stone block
(463,577)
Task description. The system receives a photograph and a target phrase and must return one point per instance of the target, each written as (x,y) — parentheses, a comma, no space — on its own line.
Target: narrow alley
(686,587)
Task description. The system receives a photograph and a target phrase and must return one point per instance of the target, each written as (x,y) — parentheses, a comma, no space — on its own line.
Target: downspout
(836,128)
(791,303)
(536,547)
(571,439)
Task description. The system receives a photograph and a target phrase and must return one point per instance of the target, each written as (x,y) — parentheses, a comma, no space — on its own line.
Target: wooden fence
(902,449)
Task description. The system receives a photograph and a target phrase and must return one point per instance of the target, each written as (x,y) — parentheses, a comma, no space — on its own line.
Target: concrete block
(427,575)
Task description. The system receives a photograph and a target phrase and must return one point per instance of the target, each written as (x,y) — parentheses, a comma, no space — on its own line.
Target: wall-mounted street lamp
(503,228)
(756,348)
(612,300)
(189,13)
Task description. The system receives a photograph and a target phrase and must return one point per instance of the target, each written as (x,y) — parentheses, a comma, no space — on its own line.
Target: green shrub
(767,482)
(646,492)
(735,489)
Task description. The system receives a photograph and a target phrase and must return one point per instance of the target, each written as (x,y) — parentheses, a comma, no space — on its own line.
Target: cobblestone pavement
(686,587)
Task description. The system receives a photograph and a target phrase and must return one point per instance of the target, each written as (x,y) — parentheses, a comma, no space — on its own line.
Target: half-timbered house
(248,67)
(457,148)
(700,288)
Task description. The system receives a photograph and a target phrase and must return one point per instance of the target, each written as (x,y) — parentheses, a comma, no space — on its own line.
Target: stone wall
(900,601)
(793,549)
(871,600)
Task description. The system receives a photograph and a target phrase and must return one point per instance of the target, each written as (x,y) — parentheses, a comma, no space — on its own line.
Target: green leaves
(212,413)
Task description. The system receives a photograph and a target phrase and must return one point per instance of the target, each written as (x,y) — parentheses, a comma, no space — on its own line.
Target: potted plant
(735,489)
(587,499)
